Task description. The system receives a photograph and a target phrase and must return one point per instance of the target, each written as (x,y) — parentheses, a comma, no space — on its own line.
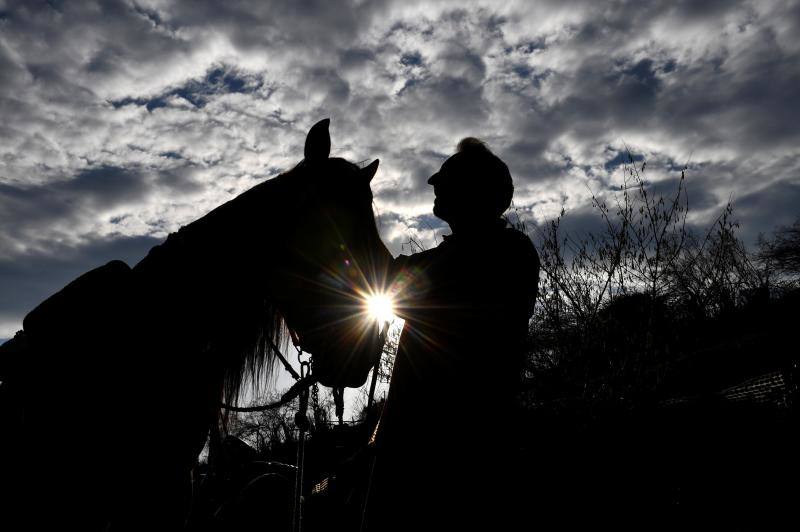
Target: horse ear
(368,172)
(318,141)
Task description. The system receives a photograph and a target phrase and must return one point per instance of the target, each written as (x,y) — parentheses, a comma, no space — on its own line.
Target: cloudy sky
(122,120)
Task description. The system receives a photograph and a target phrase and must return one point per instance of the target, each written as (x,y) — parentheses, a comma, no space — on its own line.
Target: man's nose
(433,179)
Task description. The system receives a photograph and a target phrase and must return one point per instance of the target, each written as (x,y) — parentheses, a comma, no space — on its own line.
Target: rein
(301,384)
(297,388)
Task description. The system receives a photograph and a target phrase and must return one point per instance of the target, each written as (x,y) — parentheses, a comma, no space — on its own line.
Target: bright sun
(380,308)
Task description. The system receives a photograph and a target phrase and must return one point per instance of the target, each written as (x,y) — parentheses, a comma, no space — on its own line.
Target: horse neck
(220,254)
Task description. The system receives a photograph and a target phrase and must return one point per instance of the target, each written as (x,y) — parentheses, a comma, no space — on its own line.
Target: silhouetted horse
(116,379)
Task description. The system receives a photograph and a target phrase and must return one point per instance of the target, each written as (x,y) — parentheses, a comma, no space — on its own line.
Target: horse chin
(340,362)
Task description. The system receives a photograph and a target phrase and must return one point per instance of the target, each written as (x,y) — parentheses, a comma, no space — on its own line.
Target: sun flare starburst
(380,307)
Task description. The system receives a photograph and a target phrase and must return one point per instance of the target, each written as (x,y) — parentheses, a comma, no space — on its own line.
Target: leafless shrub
(781,253)
(610,299)
(267,430)
(716,274)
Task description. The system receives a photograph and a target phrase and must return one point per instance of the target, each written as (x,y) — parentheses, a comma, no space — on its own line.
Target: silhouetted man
(444,443)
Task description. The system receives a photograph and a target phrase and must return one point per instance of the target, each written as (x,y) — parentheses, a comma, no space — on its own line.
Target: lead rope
(302,424)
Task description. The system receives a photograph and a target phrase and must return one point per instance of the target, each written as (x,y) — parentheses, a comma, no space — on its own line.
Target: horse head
(334,260)
(299,251)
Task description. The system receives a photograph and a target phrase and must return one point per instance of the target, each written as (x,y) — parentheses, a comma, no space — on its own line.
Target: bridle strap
(286,365)
(301,384)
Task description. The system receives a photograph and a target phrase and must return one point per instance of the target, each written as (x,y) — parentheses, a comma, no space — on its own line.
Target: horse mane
(253,361)
(250,358)
(251,330)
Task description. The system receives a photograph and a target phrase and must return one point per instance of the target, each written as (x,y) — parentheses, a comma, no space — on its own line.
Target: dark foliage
(782,251)
(661,387)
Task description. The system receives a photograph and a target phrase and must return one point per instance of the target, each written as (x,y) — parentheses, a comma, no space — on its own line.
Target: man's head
(473,187)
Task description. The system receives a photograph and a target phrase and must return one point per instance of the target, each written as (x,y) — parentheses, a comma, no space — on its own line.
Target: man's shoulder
(516,236)
(519,243)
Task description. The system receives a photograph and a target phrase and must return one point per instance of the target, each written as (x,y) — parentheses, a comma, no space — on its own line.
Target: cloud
(768,209)
(125,119)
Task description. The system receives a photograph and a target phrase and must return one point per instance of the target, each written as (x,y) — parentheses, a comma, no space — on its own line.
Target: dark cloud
(91,189)
(527,158)
(336,90)
(765,210)
(456,102)
(356,57)
(39,215)
(316,24)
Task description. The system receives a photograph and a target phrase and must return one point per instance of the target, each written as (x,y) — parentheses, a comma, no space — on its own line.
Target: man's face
(450,189)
